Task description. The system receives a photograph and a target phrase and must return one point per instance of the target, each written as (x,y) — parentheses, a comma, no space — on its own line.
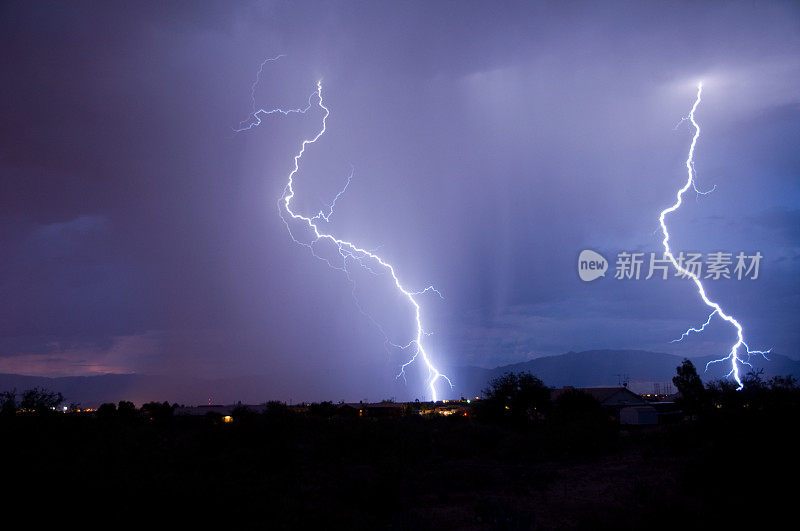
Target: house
(613,399)
(668,412)
(638,415)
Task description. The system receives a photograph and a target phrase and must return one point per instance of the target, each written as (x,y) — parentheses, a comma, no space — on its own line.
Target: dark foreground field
(283,470)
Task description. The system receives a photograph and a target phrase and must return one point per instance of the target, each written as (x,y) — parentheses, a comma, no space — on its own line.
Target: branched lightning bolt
(695,330)
(348,251)
(734,355)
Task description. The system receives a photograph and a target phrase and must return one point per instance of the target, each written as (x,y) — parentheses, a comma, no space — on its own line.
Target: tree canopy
(518,396)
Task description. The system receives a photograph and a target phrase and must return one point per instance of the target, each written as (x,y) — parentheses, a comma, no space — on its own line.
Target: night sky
(490,143)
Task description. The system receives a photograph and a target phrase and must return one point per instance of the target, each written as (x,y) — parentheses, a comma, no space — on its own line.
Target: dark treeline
(518,460)
(776,395)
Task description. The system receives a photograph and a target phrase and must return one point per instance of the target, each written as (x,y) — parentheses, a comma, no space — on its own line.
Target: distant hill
(592,368)
(598,368)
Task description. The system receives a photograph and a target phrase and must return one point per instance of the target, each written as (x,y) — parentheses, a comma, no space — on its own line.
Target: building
(613,399)
(638,415)
(628,407)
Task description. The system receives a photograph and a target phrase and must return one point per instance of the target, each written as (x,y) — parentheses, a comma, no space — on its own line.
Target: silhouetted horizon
(642,370)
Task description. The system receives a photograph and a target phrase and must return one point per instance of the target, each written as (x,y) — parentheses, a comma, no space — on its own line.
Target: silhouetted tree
(517,396)
(779,393)
(40,400)
(159,411)
(784,392)
(783,382)
(723,394)
(276,411)
(690,386)
(756,393)
(106,411)
(579,426)
(8,402)
(243,414)
(574,404)
(126,409)
(754,379)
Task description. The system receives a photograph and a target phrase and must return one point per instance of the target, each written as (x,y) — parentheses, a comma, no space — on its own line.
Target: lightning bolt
(348,251)
(737,354)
